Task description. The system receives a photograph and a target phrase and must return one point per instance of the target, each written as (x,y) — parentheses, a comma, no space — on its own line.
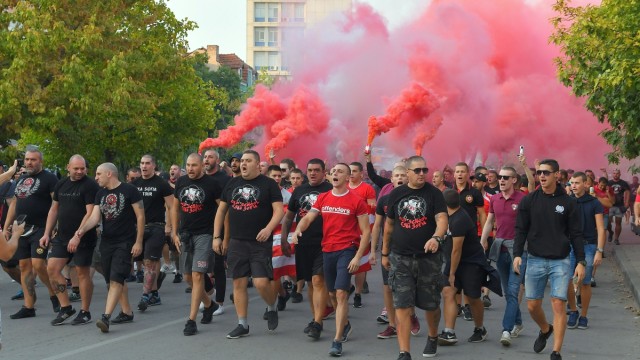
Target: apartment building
(272,24)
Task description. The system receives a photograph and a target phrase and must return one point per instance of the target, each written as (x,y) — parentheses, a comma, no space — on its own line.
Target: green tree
(108,79)
(600,61)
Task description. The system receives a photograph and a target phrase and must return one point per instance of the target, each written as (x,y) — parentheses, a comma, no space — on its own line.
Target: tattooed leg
(58,283)
(150,275)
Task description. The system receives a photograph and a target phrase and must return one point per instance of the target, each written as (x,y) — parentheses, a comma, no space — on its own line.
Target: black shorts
(250,258)
(469,278)
(82,257)
(11,263)
(29,246)
(116,259)
(309,262)
(152,243)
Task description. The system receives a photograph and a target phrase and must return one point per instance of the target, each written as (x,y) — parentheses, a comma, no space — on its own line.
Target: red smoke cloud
(487,67)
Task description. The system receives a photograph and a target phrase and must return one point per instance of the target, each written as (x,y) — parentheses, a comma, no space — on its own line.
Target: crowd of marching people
(444,240)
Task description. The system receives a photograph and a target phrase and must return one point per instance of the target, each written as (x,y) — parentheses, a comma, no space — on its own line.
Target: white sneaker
(506,338)
(219,311)
(516,330)
(201,306)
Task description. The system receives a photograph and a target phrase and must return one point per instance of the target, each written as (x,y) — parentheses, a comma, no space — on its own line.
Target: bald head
(107,175)
(77,167)
(195,167)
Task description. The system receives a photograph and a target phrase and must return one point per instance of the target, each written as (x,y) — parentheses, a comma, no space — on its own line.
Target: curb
(628,272)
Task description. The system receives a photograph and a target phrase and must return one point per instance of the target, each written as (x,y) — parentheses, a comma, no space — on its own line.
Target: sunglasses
(504,177)
(544,172)
(420,170)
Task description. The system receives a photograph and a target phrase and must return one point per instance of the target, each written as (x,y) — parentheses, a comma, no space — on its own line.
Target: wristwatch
(600,250)
(438,239)
(583,263)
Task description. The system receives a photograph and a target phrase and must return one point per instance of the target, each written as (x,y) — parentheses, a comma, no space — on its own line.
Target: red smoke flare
(414,104)
(426,132)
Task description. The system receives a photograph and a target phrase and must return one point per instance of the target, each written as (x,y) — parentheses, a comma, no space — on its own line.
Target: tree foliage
(600,61)
(108,79)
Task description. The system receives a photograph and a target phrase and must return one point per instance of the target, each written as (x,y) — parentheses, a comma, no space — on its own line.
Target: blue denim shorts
(589,254)
(557,272)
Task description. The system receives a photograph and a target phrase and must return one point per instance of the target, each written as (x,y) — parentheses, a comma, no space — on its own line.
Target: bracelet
(438,239)
(217,237)
(384,255)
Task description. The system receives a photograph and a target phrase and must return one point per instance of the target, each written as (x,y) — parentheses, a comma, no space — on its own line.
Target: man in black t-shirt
(417,221)
(254,204)
(212,168)
(156,196)
(32,197)
(120,208)
(197,196)
(471,199)
(622,193)
(309,261)
(73,202)
(463,271)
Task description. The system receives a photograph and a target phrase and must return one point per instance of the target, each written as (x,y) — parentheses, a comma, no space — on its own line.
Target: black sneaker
(431,349)
(541,341)
(154,300)
(238,332)
(177,279)
(190,328)
(296,297)
(122,318)
(84,317)
(346,332)
(308,327)
(352,289)
(466,313)
(24,313)
(459,310)
(486,301)
(103,324)
(282,301)
(18,296)
(336,349)
(207,313)
(447,338)
(63,315)
(555,356)
(55,303)
(357,301)
(140,277)
(188,290)
(315,330)
(144,303)
(272,320)
(365,288)
(479,335)
(404,356)
(161,277)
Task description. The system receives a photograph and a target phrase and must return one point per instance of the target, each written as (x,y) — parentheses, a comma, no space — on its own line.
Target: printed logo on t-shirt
(412,212)
(191,199)
(112,205)
(514,207)
(27,187)
(307,202)
(560,209)
(336,210)
(469,199)
(245,198)
(616,188)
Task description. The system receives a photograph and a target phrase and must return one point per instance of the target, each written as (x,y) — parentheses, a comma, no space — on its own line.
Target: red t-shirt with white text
(340,219)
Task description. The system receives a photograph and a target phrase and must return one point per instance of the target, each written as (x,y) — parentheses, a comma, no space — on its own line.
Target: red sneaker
(415,325)
(328,312)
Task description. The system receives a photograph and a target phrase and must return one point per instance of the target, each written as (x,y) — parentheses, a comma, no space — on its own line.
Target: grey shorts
(617,211)
(199,254)
(416,281)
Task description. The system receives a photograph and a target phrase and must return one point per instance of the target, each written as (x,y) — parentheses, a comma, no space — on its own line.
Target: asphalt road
(157,333)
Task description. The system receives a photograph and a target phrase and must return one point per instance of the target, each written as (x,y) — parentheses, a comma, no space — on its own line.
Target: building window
(299,13)
(288,11)
(273,37)
(260,36)
(272,11)
(260,60)
(274,60)
(260,12)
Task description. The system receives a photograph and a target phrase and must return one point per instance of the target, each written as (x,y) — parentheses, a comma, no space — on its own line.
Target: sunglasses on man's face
(544,172)
(420,170)
(504,177)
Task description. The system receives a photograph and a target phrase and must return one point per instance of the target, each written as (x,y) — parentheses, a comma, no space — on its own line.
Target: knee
(317,282)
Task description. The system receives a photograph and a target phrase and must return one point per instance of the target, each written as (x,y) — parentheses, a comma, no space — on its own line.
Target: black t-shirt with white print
(153,191)
(73,198)
(302,199)
(197,202)
(118,218)
(413,212)
(250,205)
(33,197)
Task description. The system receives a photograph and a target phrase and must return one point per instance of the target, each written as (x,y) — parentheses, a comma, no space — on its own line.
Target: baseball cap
(480,176)
(235,156)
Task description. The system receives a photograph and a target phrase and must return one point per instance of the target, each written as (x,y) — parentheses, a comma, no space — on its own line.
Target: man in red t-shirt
(368,194)
(346,236)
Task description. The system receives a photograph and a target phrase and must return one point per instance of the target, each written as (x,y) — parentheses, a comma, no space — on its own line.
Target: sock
(273,307)
(453,331)
(243,322)
(65,308)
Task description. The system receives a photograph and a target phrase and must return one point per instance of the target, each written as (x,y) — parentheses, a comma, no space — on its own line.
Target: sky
(223,22)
